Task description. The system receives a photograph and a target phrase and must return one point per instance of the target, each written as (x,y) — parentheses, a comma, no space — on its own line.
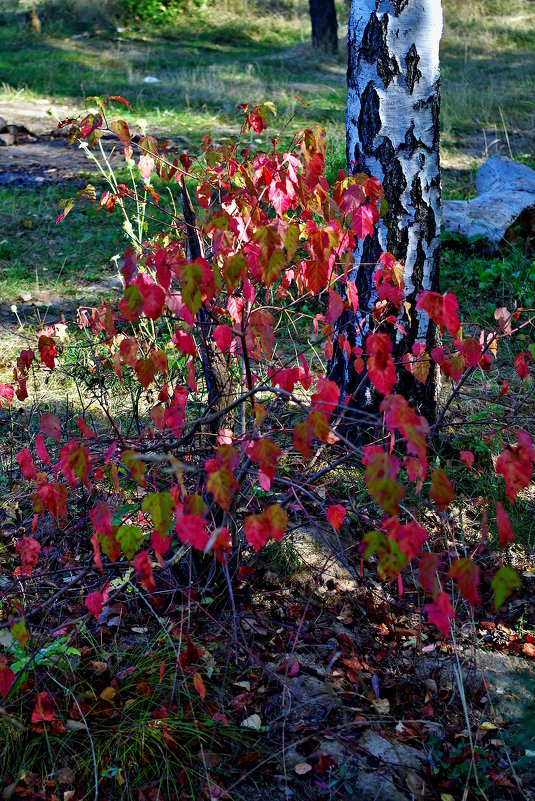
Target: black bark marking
(369,123)
(399,6)
(413,74)
(374,48)
(423,213)
(394,184)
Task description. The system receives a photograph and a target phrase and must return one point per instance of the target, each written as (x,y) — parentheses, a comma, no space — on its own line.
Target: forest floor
(338,690)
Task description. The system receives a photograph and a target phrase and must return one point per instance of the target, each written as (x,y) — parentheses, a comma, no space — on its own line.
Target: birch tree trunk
(324,25)
(393,134)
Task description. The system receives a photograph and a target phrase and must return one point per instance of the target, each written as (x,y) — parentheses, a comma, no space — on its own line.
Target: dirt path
(34,151)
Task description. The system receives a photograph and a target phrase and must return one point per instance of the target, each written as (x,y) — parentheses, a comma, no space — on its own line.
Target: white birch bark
(393,134)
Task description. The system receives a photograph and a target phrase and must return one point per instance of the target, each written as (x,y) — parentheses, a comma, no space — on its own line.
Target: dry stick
(53,598)
(466,375)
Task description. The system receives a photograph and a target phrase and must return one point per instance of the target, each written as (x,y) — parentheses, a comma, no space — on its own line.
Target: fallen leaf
(108,693)
(252,722)
(75,725)
(382,705)
(198,683)
(487,726)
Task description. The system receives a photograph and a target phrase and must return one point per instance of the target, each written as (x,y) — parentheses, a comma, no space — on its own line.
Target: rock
(3,125)
(393,754)
(505,196)
(374,787)
(6,139)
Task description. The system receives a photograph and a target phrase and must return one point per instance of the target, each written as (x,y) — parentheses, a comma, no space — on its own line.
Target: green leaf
(191,276)
(129,538)
(161,507)
(504,581)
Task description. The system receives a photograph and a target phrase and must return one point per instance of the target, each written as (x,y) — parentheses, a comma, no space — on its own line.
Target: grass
(146,722)
(214,56)
(37,257)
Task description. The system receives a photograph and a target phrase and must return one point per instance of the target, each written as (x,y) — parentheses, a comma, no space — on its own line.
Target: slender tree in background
(324,25)
(393,134)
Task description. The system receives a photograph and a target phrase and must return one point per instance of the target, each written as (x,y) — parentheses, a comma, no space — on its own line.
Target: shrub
(210,346)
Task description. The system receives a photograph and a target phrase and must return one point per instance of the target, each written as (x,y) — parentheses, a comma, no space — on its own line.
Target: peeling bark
(324,25)
(393,134)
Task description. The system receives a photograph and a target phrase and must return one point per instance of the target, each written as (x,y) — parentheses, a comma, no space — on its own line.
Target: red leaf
(51,426)
(101,519)
(286,378)
(515,465)
(352,295)
(190,654)
(381,368)
(380,477)
(467,458)
(7,677)
(428,566)
(326,398)
(466,574)
(28,549)
(418,364)
(373,188)
(266,453)
(7,393)
(120,128)
(223,337)
(335,307)
(471,350)
(363,221)
(94,602)
(75,463)
(271,523)
(336,515)
(303,436)
(25,462)
(413,428)
(316,275)
(281,193)
(119,99)
(220,544)
(442,309)
(153,295)
(440,612)
(198,683)
(521,365)
(503,522)
(143,568)
(47,351)
(145,371)
(44,709)
(221,481)
(442,491)
(84,428)
(40,449)
(192,529)
(184,343)
(54,499)
(203,194)
(410,537)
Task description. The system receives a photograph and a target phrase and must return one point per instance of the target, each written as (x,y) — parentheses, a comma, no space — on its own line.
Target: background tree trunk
(393,134)
(324,25)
